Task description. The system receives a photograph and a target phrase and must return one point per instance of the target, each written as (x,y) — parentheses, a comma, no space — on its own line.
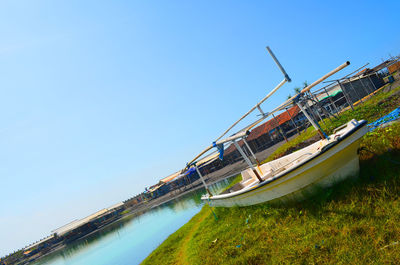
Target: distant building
(82,227)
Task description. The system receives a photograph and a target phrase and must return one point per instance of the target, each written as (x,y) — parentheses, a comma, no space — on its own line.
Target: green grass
(354,222)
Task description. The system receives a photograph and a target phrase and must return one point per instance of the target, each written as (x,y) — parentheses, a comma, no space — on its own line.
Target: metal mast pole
(202,179)
(311,120)
(252,154)
(247,160)
(287,79)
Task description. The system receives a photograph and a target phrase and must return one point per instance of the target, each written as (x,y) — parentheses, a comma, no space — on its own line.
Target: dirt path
(182,258)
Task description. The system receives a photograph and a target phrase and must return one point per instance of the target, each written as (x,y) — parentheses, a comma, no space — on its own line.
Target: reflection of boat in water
(295,175)
(321,164)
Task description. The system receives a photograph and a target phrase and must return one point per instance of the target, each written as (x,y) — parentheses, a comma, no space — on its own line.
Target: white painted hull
(322,168)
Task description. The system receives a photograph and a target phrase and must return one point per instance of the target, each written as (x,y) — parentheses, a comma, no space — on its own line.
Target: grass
(356,221)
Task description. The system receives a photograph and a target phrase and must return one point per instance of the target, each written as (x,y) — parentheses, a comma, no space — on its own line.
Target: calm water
(131,241)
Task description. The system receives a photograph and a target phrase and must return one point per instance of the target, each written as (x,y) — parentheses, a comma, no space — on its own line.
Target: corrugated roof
(77,223)
(39,242)
(266,127)
(115,206)
(170,177)
(271,124)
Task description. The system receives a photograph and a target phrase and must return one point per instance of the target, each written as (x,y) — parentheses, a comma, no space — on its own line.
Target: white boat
(296,175)
(293,176)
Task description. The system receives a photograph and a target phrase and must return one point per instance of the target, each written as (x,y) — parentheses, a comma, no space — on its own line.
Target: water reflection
(132,239)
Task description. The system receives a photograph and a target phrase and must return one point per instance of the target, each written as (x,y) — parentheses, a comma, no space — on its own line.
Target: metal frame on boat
(321,164)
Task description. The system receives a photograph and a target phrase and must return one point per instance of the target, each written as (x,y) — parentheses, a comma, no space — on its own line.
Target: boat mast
(243,133)
(257,106)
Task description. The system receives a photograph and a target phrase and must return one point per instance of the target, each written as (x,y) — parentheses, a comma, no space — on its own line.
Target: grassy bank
(356,221)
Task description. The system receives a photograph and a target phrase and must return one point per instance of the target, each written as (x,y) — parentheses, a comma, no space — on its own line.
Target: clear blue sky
(102,98)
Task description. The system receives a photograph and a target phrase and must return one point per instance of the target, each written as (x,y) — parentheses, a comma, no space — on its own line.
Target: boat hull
(325,169)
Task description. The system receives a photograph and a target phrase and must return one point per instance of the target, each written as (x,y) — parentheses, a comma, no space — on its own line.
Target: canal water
(130,241)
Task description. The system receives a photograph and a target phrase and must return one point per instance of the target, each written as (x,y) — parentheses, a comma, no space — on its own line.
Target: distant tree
(305,84)
(289,96)
(297,90)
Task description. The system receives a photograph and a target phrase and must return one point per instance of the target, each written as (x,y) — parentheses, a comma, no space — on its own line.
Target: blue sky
(102,98)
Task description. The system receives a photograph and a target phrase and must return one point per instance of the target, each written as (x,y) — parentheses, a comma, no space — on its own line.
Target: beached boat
(296,175)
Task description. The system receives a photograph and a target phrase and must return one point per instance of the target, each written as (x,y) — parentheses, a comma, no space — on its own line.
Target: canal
(131,240)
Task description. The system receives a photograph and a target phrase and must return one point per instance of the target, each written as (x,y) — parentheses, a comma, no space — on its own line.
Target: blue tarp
(189,171)
(220,148)
(394,115)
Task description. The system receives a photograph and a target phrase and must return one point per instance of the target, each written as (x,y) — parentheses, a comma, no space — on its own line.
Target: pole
(247,160)
(365,87)
(355,90)
(314,123)
(253,108)
(322,108)
(228,139)
(314,116)
(331,100)
(279,128)
(297,128)
(318,105)
(260,110)
(326,76)
(201,177)
(279,64)
(253,155)
(369,77)
(345,95)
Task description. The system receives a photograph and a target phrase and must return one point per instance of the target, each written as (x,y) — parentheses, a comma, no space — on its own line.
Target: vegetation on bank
(353,222)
